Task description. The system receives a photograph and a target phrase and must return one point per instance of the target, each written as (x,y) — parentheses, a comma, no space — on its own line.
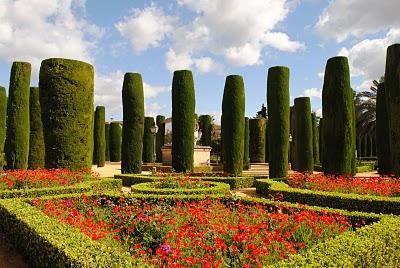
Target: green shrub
(205,124)
(339,122)
(36,139)
(115,142)
(3,116)
(315,132)
(257,127)
(66,95)
(292,148)
(246,151)
(233,110)
(132,132)
(148,188)
(160,137)
(266,143)
(304,135)
(17,138)
(351,202)
(234,182)
(183,117)
(99,148)
(148,141)
(278,120)
(107,142)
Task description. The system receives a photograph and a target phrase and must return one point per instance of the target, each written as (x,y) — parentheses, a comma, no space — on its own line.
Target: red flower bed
(208,233)
(39,178)
(365,186)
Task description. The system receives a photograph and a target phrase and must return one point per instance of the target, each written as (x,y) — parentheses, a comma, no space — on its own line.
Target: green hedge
(351,202)
(148,141)
(99,137)
(115,141)
(359,169)
(36,157)
(104,184)
(246,150)
(147,188)
(376,245)
(257,128)
(315,137)
(44,242)
(107,142)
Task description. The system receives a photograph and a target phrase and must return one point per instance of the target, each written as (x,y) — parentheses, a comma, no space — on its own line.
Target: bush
(99,149)
(17,138)
(148,141)
(233,111)
(257,127)
(234,182)
(351,202)
(339,122)
(183,117)
(133,125)
(36,157)
(115,142)
(66,95)
(149,188)
(278,120)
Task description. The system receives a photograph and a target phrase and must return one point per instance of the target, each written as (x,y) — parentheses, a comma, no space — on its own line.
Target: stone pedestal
(201,155)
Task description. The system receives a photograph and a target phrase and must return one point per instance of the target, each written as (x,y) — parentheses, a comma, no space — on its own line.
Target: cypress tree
(257,139)
(17,138)
(339,123)
(365,145)
(3,116)
(99,136)
(160,137)
(315,138)
(183,120)
(205,123)
(115,141)
(382,132)
(233,108)
(321,140)
(36,157)
(369,146)
(358,142)
(278,120)
(266,143)
(292,148)
(246,152)
(107,142)
(133,123)
(66,95)
(148,141)
(304,135)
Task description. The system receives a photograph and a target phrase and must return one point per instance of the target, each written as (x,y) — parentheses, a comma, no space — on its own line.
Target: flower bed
(203,232)
(279,190)
(365,186)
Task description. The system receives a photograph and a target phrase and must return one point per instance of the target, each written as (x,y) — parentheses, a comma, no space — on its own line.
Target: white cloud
(318,112)
(344,18)
(178,61)
(321,74)
(146,28)
(281,41)
(207,64)
(151,91)
(32,30)
(313,93)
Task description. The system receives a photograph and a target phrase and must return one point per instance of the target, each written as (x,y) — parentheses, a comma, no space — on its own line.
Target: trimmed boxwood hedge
(376,245)
(148,188)
(359,169)
(351,202)
(104,184)
(36,156)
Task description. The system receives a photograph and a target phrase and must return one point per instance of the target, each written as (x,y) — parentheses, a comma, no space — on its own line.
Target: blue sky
(213,38)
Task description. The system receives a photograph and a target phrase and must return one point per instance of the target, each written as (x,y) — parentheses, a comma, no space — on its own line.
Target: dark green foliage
(339,122)
(266,143)
(148,141)
(233,109)
(278,120)
(17,138)
(392,92)
(99,146)
(382,132)
(3,116)
(315,138)
(246,152)
(205,124)
(210,188)
(132,132)
(115,141)
(107,142)
(160,137)
(369,144)
(292,147)
(183,120)
(66,95)
(304,135)
(257,128)
(36,157)
(321,140)
(365,145)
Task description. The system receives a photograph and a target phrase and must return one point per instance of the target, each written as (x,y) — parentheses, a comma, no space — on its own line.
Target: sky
(213,38)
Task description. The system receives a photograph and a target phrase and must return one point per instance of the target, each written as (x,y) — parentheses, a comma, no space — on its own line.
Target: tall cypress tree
(148,140)
(205,124)
(304,135)
(17,139)
(266,143)
(339,122)
(278,120)
(107,142)
(315,137)
(3,116)
(160,137)
(133,126)
(246,152)
(257,128)
(99,151)
(233,108)
(382,132)
(36,157)
(183,120)
(115,141)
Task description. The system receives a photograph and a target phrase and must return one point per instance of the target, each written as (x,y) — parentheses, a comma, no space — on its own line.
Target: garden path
(9,258)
